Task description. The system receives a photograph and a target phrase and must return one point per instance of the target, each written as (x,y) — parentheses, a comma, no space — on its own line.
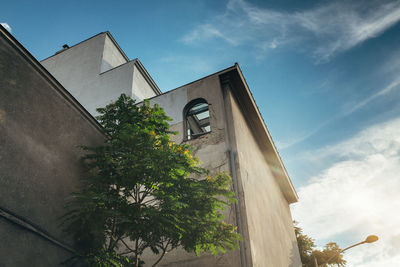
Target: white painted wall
(141,89)
(96,73)
(112,57)
(173,103)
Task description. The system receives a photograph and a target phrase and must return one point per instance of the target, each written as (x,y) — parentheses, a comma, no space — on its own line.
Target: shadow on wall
(295,256)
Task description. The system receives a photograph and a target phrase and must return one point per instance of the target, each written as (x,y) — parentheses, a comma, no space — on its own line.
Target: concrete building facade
(238,143)
(218,117)
(41,125)
(97,71)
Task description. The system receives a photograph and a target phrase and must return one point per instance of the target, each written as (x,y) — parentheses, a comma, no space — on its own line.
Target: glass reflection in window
(198,120)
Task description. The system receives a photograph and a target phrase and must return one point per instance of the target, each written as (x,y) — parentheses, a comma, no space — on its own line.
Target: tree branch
(162,254)
(126,245)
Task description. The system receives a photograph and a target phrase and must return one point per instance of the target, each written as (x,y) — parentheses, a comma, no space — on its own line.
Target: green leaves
(140,192)
(330,255)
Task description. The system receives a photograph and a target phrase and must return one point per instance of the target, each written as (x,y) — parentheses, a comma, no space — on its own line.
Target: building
(216,115)
(40,126)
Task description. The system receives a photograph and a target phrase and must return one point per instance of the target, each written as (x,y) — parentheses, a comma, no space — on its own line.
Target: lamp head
(371,239)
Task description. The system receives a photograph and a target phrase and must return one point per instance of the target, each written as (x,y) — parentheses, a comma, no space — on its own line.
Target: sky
(324,74)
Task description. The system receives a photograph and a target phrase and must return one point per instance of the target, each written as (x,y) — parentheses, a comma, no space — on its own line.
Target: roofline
(177,88)
(147,76)
(138,64)
(47,76)
(215,73)
(136,61)
(59,52)
(107,33)
(117,45)
(287,183)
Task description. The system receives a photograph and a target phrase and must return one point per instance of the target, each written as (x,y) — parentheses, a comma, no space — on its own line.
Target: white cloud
(358,195)
(325,30)
(6,26)
(344,26)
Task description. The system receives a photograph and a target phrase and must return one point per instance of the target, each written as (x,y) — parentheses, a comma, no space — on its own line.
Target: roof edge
(59,52)
(47,76)
(177,88)
(147,76)
(281,173)
(107,33)
(117,45)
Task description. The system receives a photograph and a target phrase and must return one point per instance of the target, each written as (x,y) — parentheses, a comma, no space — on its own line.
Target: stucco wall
(271,235)
(111,57)
(73,66)
(96,73)
(210,148)
(268,233)
(140,87)
(40,129)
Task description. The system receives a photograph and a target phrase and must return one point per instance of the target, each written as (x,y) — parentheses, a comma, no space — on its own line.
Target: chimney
(65,47)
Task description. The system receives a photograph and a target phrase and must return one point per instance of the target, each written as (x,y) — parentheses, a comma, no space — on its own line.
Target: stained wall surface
(212,150)
(268,232)
(39,162)
(40,128)
(270,229)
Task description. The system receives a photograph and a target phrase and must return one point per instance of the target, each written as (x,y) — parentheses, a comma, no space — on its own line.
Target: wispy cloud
(326,30)
(6,26)
(283,145)
(358,195)
(322,32)
(206,32)
(348,109)
(392,86)
(342,26)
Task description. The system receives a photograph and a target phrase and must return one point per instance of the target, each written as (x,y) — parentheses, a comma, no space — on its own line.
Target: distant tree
(331,254)
(145,192)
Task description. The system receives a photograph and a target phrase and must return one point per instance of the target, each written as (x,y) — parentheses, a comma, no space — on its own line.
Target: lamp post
(369,239)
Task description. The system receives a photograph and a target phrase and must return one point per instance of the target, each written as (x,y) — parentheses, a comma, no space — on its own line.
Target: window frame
(186,110)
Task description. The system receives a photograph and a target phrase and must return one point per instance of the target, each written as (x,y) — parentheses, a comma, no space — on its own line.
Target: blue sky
(325,75)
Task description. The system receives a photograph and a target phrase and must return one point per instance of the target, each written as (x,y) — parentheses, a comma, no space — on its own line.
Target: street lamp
(369,239)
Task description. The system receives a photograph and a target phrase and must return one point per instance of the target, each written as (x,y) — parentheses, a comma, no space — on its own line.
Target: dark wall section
(41,126)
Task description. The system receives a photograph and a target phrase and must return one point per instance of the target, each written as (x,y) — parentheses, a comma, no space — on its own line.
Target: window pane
(198,120)
(203,115)
(198,107)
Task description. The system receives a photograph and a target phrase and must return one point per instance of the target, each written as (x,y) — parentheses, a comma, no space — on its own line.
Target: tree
(330,255)
(143,191)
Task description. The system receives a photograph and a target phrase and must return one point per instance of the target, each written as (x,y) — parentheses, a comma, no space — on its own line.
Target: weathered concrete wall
(95,72)
(268,221)
(40,129)
(212,150)
(267,227)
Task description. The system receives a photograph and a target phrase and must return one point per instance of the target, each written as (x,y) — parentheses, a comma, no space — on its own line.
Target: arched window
(197,118)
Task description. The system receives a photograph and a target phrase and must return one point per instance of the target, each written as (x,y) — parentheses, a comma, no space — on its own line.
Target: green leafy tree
(143,192)
(331,254)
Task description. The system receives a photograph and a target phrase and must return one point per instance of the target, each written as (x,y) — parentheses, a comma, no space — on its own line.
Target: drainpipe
(237,208)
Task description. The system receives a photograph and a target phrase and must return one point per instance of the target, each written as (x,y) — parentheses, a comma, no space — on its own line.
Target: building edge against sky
(96,71)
